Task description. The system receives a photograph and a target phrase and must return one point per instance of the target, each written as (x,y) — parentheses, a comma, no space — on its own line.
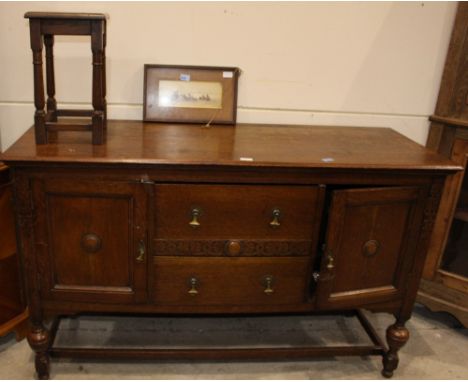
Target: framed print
(194,94)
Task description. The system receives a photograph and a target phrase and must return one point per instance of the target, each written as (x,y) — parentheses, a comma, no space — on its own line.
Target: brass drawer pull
(331,261)
(141,251)
(268,284)
(276,215)
(194,223)
(193,286)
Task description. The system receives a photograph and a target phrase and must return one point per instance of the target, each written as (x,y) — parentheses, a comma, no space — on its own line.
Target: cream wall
(369,64)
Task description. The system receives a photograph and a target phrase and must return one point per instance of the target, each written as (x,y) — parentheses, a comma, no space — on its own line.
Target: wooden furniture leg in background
(39,102)
(98,118)
(51,102)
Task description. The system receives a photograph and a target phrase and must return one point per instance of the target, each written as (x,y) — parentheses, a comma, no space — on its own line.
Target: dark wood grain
(108,228)
(71,268)
(237,211)
(12,306)
(133,142)
(455,76)
(448,135)
(241,281)
(350,274)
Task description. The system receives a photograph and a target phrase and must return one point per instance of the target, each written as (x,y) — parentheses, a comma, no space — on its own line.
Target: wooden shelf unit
(445,279)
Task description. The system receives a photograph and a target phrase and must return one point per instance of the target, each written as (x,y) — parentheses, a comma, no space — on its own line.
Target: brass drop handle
(193,286)
(276,215)
(268,284)
(194,223)
(331,260)
(141,251)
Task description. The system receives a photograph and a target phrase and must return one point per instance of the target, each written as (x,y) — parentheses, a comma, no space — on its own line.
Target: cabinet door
(371,236)
(90,239)
(12,309)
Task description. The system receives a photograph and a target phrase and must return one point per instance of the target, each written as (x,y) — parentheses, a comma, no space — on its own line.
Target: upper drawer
(189,211)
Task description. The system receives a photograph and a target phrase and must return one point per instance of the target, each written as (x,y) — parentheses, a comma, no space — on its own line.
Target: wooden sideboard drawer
(193,211)
(230,281)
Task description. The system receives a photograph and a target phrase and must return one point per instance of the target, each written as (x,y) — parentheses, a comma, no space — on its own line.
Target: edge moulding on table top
(170,219)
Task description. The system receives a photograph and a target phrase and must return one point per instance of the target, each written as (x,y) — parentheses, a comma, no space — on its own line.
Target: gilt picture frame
(190,94)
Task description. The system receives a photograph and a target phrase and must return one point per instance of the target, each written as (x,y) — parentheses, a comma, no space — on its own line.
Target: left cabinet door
(90,240)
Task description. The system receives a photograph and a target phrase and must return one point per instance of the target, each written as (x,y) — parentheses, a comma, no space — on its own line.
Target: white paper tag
(228,74)
(184,77)
(328,160)
(246,159)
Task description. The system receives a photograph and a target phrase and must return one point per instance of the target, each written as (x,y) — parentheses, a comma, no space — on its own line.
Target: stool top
(65,15)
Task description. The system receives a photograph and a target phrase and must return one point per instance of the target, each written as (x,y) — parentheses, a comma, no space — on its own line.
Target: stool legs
(97,47)
(51,102)
(104,85)
(39,103)
(42,31)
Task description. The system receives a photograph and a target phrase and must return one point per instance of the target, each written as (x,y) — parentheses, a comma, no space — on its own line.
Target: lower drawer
(231,281)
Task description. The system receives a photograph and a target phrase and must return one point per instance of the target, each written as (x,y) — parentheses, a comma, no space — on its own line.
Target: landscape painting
(190,94)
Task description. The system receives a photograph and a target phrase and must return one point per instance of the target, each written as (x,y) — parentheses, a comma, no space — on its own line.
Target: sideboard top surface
(136,142)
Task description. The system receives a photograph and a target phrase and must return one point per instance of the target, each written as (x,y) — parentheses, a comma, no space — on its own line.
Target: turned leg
(51,102)
(397,336)
(39,102)
(97,47)
(38,339)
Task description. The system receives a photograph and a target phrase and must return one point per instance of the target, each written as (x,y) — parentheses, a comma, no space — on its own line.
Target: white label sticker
(328,160)
(228,74)
(246,159)
(184,77)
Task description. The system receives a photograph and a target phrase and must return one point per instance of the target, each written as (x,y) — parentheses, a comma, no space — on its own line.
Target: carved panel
(220,248)
(430,210)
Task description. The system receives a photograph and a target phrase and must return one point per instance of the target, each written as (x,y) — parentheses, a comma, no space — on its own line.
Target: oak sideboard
(246,219)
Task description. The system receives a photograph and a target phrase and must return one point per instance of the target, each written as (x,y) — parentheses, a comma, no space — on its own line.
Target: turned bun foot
(387,374)
(42,365)
(397,336)
(38,339)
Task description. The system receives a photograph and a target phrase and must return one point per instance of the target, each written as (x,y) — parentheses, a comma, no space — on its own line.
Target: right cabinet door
(371,237)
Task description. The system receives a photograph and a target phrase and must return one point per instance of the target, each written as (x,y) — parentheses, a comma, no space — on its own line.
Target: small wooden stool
(43,27)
